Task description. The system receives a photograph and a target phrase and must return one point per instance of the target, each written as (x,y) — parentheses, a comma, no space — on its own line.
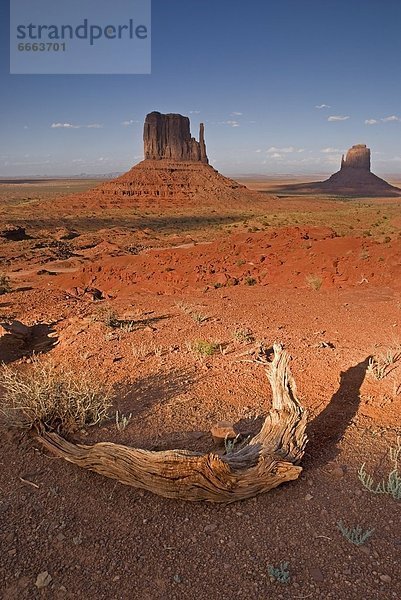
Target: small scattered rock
(43,580)
(317,575)
(337,472)
(223,430)
(385,578)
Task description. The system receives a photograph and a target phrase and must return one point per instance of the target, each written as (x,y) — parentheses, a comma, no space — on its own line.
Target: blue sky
(254,72)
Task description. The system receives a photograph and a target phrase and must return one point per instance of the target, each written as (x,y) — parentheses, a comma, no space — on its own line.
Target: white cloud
(71,126)
(236,114)
(320,106)
(231,123)
(285,150)
(330,150)
(26,127)
(258,151)
(392,118)
(64,126)
(128,123)
(194,112)
(334,118)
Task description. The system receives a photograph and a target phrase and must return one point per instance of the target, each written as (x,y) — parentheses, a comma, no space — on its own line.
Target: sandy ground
(322,277)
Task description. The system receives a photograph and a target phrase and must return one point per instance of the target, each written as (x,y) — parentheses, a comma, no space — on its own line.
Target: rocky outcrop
(176,183)
(13,233)
(169,137)
(358,157)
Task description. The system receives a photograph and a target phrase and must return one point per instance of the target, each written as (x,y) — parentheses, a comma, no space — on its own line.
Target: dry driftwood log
(269,459)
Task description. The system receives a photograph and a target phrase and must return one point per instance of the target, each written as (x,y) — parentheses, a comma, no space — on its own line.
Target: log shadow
(157,388)
(329,427)
(40,339)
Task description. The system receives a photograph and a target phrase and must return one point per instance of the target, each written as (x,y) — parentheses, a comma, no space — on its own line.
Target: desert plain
(167,300)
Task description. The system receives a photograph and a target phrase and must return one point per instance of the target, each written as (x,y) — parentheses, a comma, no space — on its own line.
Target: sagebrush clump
(204,348)
(55,397)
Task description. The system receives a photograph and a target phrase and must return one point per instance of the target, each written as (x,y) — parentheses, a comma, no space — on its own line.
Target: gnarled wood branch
(269,459)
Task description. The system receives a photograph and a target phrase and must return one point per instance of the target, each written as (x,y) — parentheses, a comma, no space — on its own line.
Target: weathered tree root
(269,459)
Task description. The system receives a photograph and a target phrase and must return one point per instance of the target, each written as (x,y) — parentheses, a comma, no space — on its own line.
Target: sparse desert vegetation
(179,354)
(392,484)
(55,397)
(355,535)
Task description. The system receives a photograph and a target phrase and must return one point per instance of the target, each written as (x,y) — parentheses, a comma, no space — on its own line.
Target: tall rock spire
(203,155)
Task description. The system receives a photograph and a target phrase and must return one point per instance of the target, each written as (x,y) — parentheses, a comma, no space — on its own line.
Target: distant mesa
(353,179)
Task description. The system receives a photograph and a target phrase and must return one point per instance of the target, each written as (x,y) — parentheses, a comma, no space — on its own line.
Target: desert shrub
(390,486)
(204,348)
(5,285)
(355,535)
(199,317)
(244,335)
(250,281)
(380,366)
(280,574)
(196,316)
(56,397)
(106,315)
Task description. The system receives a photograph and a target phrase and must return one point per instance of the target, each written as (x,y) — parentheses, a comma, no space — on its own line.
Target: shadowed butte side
(354,178)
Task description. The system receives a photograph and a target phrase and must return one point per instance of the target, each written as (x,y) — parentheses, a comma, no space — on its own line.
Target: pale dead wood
(269,459)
